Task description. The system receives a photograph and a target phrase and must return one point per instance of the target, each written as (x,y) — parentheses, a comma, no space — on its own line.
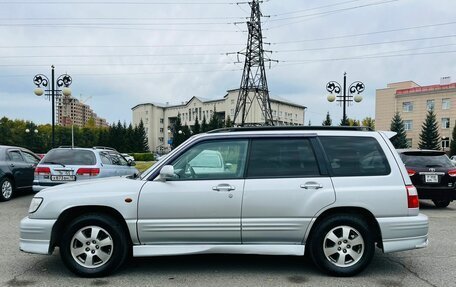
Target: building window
(199,113)
(445,143)
(407,106)
(161,120)
(232,112)
(161,130)
(189,114)
(409,142)
(445,123)
(147,112)
(232,102)
(430,105)
(408,125)
(446,104)
(274,113)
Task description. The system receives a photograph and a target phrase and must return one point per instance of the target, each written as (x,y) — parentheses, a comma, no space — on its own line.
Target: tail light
(412,197)
(42,170)
(452,172)
(88,171)
(411,172)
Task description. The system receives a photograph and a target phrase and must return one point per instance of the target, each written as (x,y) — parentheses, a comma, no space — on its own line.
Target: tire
(95,236)
(330,248)
(441,203)
(6,189)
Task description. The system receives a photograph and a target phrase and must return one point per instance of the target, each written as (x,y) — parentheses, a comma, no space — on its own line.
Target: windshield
(426,160)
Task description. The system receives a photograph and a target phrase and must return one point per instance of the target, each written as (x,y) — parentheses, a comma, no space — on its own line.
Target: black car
(432,173)
(17,166)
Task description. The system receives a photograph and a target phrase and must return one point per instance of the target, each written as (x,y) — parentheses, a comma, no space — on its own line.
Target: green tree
(353,122)
(400,139)
(214,122)
(453,142)
(178,136)
(368,122)
(204,126)
(327,121)
(196,128)
(141,138)
(430,137)
(228,122)
(344,121)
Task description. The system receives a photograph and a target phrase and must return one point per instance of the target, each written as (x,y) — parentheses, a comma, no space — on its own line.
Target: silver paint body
(259,216)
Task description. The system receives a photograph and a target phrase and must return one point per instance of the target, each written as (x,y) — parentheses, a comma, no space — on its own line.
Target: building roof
(426,89)
(205,100)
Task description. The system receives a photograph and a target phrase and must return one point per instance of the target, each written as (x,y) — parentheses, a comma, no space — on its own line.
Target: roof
(426,89)
(290,128)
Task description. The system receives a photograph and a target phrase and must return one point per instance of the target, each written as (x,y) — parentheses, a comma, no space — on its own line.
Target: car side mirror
(167,172)
(131,162)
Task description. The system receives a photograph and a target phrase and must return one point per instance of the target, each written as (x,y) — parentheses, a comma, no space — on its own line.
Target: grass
(143,165)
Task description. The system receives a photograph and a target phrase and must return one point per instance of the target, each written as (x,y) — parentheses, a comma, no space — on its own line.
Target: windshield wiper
(53,162)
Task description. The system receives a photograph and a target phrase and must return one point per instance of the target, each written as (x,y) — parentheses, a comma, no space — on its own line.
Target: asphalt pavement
(432,266)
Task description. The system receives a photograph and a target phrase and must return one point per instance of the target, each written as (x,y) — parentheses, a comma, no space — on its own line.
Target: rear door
(285,187)
(19,167)
(32,161)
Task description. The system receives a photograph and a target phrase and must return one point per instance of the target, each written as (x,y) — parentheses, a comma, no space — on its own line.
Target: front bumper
(404,233)
(36,235)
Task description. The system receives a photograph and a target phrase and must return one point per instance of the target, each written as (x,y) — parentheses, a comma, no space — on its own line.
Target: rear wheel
(94,245)
(342,245)
(6,189)
(441,203)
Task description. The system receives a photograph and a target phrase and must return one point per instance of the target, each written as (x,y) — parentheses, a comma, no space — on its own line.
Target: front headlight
(35,204)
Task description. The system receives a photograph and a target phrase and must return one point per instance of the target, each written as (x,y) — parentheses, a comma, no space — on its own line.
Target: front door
(284,189)
(202,205)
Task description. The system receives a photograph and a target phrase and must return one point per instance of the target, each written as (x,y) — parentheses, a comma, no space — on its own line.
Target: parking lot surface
(432,266)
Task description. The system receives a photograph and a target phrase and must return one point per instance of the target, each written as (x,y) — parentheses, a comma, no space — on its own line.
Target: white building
(158,119)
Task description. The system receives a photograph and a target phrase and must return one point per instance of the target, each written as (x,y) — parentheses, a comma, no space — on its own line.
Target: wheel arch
(360,212)
(73,212)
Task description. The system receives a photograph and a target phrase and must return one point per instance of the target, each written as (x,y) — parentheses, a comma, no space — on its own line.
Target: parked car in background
(128,157)
(335,194)
(64,164)
(16,170)
(453,159)
(432,173)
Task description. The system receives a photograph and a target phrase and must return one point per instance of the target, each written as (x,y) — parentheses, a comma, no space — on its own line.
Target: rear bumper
(404,233)
(439,193)
(35,236)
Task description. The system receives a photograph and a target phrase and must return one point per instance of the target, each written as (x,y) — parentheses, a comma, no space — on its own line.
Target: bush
(143,156)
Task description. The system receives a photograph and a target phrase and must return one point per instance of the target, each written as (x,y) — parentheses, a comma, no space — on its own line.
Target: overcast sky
(121,53)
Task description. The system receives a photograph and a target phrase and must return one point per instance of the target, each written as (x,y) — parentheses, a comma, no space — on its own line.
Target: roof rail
(289,128)
(67,146)
(104,147)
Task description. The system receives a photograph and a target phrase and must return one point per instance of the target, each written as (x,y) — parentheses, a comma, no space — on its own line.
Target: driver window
(212,160)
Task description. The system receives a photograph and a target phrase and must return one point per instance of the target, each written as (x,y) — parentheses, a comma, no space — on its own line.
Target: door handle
(223,187)
(12,165)
(311,185)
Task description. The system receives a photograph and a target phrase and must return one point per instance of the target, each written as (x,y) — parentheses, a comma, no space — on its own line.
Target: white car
(128,157)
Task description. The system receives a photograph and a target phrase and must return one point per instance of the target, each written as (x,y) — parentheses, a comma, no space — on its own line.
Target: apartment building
(158,119)
(72,111)
(413,101)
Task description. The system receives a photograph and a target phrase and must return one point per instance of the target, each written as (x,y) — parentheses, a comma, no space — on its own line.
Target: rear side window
(70,157)
(16,156)
(282,158)
(355,156)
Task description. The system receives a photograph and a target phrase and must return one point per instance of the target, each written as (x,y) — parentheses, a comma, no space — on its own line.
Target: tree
(353,122)
(430,137)
(204,126)
(400,139)
(141,138)
(196,128)
(214,122)
(368,122)
(453,142)
(344,121)
(228,122)
(327,121)
(178,136)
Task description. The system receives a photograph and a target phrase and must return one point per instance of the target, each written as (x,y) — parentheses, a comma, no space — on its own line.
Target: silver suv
(66,164)
(335,194)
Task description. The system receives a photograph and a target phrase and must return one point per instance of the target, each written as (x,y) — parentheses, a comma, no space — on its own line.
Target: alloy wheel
(91,246)
(343,246)
(7,189)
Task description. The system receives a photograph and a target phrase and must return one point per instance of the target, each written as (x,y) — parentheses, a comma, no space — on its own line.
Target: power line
(366,44)
(116,46)
(118,64)
(117,3)
(315,8)
(366,33)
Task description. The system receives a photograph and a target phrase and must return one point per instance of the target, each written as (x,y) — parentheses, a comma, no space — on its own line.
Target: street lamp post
(344,97)
(62,81)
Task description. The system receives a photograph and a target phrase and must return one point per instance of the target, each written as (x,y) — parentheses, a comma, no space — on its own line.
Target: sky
(121,53)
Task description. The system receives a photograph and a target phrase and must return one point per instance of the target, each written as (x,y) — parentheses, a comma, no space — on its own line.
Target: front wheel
(342,245)
(94,245)
(441,203)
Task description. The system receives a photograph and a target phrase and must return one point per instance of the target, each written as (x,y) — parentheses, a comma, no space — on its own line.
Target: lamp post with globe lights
(41,81)
(343,96)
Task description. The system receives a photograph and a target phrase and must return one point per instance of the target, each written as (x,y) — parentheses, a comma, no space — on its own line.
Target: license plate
(432,178)
(63,177)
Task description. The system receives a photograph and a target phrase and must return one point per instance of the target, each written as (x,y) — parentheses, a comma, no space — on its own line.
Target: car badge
(432,169)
